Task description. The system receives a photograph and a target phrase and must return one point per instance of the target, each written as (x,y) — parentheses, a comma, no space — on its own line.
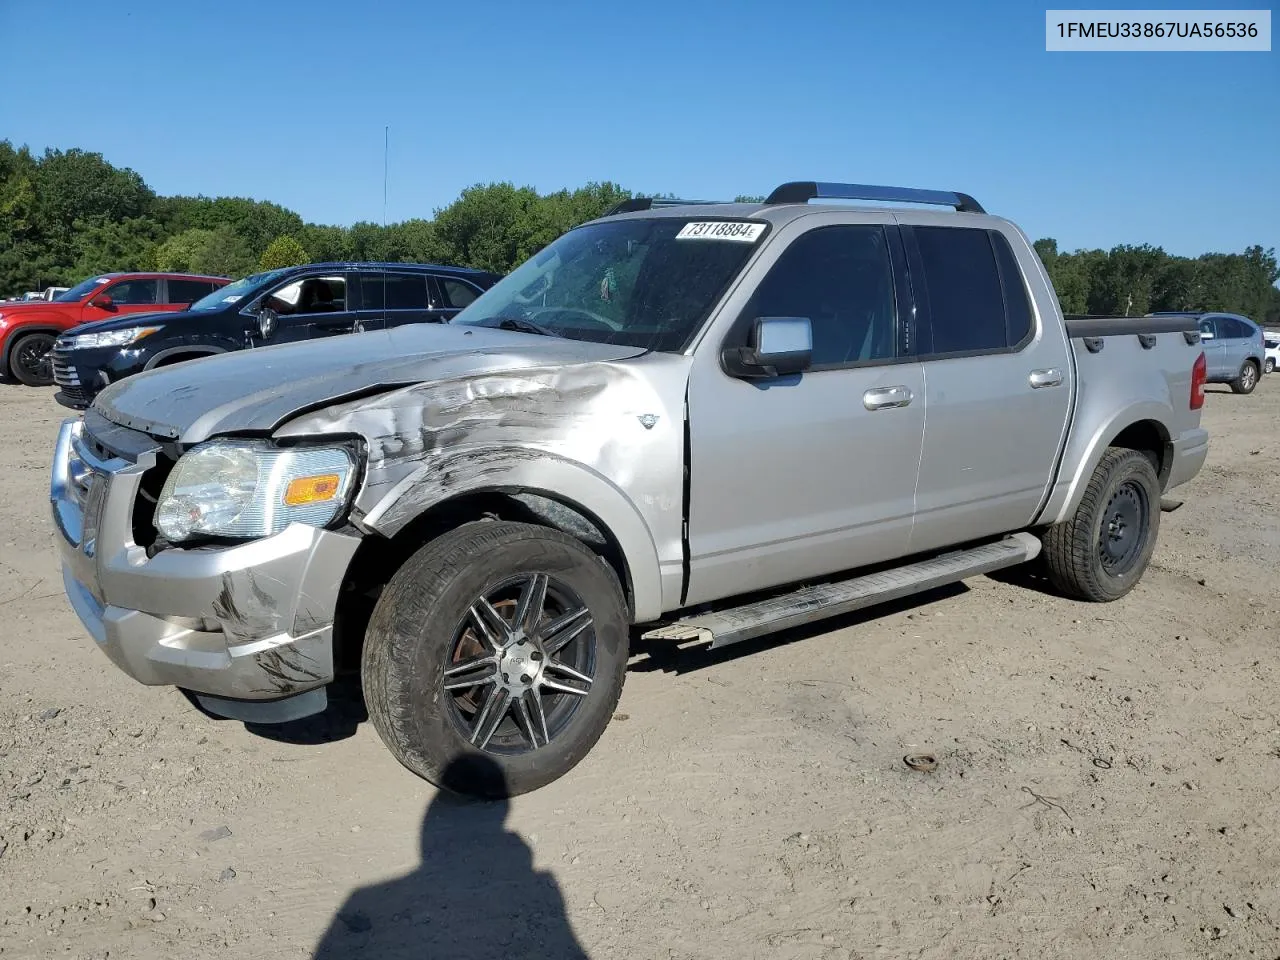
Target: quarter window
(840,278)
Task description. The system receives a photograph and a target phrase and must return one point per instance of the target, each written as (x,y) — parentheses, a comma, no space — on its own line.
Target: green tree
(283,251)
(105,245)
(220,252)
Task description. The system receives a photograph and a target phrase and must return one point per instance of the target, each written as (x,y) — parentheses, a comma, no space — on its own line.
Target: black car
(277,306)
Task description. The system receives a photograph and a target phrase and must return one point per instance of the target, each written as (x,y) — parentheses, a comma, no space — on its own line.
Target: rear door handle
(884,398)
(1045,378)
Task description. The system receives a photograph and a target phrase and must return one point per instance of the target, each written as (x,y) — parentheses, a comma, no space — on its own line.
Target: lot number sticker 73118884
(721,230)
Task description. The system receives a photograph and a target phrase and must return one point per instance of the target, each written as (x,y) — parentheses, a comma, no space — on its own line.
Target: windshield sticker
(721,230)
(232,299)
(102,280)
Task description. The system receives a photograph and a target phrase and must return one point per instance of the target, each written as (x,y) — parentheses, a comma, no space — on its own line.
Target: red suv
(28,330)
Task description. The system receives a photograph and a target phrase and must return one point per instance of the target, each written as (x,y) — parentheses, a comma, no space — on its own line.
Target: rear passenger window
(457,293)
(188,291)
(840,278)
(962,282)
(1234,329)
(399,291)
(1017,305)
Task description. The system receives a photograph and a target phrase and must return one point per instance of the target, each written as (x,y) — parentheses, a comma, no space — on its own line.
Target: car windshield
(236,291)
(81,289)
(646,282)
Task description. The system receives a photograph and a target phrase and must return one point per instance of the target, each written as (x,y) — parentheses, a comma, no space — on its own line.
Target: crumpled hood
(254,391)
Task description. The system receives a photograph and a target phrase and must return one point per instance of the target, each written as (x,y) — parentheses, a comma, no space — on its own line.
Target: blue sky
(286,101)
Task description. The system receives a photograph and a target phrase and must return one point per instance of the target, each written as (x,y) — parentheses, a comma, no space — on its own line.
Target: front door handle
(884,398)
(1045,378)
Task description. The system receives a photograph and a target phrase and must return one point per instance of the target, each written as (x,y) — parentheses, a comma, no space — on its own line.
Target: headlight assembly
(249,489)
(110,338)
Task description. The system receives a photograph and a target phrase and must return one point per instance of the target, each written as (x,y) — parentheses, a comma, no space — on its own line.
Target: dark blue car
(276,306)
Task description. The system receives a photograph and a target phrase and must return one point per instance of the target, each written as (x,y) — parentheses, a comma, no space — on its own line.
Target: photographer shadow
(475,895)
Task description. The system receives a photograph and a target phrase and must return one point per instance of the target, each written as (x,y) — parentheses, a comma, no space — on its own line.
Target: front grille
(77,395)
(64,374)
(108,440)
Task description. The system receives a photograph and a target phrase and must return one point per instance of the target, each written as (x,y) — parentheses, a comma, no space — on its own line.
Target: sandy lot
(1108,784)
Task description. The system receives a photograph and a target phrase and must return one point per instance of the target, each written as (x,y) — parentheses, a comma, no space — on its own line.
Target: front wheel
(1248,378)
(495,657)
(1271,365)
(29,359)
(1101,552)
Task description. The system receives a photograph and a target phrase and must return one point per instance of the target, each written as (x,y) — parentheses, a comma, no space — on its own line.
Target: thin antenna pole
(386,146)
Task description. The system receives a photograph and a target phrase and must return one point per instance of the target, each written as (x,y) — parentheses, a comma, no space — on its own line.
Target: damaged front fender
(603,437)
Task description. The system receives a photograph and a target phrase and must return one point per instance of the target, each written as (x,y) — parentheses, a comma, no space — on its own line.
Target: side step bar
(723,627)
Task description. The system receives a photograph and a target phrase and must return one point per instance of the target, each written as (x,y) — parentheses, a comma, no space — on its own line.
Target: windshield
(235,292)
(645,283)
(82,289)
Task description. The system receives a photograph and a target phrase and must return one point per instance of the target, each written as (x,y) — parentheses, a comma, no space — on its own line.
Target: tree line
(68,214)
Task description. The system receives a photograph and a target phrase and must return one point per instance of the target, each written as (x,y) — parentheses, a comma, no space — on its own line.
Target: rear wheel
(29,359)
(1248,378)
(495,657)
(1271,365)
(1101,552)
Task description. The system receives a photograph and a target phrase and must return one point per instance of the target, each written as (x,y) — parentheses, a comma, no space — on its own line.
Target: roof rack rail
(802,191)
(648,203)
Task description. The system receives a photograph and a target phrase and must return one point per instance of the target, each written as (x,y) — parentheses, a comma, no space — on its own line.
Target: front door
(997,390)
(1215,350)
(309,307)
(801,476)
(127,297)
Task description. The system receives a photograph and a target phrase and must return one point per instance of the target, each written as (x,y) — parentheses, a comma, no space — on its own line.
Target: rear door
(997,385)
(1239,342)
(394,298)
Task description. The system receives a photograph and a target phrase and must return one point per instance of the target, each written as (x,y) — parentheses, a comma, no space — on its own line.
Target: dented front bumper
(253,621)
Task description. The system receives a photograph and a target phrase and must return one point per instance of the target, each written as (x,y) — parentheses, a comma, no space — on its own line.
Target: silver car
(1233,348)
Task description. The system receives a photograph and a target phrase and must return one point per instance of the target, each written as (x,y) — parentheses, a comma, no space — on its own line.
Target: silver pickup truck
(686,422)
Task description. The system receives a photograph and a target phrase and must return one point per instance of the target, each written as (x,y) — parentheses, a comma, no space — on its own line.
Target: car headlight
(249,489)
(110,338)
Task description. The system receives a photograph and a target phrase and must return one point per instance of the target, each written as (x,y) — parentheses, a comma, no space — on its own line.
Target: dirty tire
(1247,380)
(25,359)
(411,638)
(1073,550)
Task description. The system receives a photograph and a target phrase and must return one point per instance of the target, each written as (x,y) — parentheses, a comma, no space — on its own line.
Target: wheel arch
(1141,427)
(177,354)
(15,334)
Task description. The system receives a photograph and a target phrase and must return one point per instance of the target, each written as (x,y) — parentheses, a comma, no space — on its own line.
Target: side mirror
(102,301)
(777,347)
(268,321)
(1206,334)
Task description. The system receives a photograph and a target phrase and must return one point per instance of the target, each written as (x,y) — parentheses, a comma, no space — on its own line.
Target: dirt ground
(1108,779)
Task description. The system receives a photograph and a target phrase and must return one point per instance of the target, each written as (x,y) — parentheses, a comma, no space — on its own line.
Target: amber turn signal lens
(306,490)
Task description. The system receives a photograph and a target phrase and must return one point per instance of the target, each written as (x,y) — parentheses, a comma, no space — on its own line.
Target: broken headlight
(249,489)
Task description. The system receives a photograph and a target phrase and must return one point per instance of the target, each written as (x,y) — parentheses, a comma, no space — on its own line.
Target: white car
(1271,340)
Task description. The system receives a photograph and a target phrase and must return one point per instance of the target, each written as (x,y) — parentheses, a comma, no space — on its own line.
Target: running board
(723,627)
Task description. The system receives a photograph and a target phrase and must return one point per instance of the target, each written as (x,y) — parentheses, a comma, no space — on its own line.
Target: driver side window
(840,278)
(133,292)
(309,295)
